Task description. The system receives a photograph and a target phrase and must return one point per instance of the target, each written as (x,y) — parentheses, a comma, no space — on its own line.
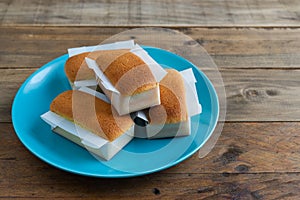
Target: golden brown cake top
(76,68)
(173,100)
(125,70)
(91,113)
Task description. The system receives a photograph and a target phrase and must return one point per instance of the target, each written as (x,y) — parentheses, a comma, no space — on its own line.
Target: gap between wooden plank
(282,26)
(142,26)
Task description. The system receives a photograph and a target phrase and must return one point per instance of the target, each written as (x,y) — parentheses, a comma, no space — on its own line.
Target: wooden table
(256,45)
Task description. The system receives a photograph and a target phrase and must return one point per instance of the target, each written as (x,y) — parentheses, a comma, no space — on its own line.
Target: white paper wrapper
(57,121)
(193,105)
(193,108)
(78,50)
(104,80)
(85,83)
(95,144)
(117,45)
(122,103)
(155,68)
(94,93)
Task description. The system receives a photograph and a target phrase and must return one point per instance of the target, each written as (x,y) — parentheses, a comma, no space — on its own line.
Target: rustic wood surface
(268,13)
(247,164)
(28,47)
(256,45)
(252,95)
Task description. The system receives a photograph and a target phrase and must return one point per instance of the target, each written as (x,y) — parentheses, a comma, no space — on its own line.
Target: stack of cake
(135,89)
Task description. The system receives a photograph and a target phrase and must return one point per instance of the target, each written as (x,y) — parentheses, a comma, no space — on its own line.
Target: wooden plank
(166,186)
(25,47)
(10,81)
(262,95)
(241,166)
(250,148)
(252,95)
(256,148)
(152,13)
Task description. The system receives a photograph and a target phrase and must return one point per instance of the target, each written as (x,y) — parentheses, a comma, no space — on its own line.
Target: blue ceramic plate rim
(116,175)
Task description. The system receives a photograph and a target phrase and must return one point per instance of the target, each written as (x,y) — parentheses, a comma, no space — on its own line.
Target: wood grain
(206,13)
(262,95)
(10,81)
(29,47)
(256,46)
(252,95)
(257,148)
(241,166)
(166,186)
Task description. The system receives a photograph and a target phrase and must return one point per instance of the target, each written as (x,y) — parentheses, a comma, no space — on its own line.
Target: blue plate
(139,157)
